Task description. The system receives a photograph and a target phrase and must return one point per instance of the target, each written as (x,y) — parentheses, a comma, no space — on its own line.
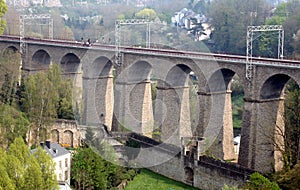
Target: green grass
(148,180)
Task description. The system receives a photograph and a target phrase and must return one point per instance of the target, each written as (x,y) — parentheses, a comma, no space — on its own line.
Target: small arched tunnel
(220,80)
(102,66)
(40,59)
(70,63)
(273,87)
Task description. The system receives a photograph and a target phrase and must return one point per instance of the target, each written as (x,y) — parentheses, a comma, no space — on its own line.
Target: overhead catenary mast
(264,28)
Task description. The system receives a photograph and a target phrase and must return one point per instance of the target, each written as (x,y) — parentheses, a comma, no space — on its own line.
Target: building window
(66,175)
(60,177)
(60,165)
(66,162)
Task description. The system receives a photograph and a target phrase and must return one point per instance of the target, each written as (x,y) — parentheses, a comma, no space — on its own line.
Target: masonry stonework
(263,95)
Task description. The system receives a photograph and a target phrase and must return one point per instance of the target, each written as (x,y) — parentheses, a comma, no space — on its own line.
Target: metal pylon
(118,24)
(263,28)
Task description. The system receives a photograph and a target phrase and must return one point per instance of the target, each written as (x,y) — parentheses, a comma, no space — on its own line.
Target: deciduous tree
(3,9)
(39,102)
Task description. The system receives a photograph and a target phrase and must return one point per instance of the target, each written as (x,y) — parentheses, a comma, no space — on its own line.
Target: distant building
(192,22)
(62,159)
(184,17)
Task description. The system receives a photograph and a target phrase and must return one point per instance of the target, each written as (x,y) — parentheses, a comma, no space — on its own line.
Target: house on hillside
(62,159)
(186,18)
(191,21)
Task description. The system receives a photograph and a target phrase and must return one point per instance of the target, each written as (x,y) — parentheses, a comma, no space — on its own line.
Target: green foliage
(45,96)
(32,175)
(19,169)
(39,101)
(3,9)
(146,14)
(89,170)
(148,180)
(13,123)
(292,123)
(230,19)
(97,166)
(259,182)
(9,76)
(289,180)
(64,90)
(226,187)
(47,167)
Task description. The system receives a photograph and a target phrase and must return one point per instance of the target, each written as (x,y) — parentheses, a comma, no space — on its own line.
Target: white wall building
(62,159)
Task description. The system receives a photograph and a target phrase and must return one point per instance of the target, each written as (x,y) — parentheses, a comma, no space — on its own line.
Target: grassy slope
(148,180)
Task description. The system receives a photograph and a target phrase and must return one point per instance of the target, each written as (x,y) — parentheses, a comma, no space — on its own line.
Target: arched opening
(237,102)
(134,110)
(68,138)
(40,60)
(70,63)
(226,97)
(55,136)
(176,104)
(274,86)
(189,175)
(101,92)
(279,121)
(10,50)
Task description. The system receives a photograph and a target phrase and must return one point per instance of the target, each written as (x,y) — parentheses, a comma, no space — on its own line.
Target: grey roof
(55,150)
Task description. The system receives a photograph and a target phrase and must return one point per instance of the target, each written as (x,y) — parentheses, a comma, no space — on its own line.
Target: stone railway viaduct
(120,95)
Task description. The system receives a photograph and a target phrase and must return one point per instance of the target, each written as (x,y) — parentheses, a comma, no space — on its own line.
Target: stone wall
(205,173)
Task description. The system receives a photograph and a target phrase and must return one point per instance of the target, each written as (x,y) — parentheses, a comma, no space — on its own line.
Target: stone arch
(269,124)
(55,136)
(172,109)
(273,86)
(133,94)
(178,75)
(218,130)
(41,59)
(189,175)
(70,63)
(68,138)
(12,49)
(101,66)
(220,80)
(139,72)
(98,87)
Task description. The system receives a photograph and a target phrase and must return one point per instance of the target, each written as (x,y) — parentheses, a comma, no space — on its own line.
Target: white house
(62,159)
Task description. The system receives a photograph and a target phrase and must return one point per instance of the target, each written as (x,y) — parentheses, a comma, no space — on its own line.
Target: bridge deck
(287,63)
